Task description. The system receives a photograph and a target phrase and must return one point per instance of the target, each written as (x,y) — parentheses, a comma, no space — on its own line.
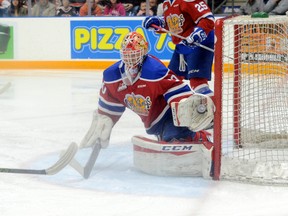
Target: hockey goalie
(167,106)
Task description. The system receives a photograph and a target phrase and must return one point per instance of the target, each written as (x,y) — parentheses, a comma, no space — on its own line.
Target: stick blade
(86,170)
(64,160)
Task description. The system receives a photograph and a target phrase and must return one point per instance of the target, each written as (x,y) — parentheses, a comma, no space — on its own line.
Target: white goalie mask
(133,50)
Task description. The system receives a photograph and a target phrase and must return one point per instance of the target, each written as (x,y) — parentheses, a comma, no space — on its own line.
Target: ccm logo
(177,147)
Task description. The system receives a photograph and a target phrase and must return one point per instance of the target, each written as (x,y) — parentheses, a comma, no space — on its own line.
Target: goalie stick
(5,87)
(86,170)
(57,167)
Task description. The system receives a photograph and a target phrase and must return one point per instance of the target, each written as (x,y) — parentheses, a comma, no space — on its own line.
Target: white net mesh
(255,100)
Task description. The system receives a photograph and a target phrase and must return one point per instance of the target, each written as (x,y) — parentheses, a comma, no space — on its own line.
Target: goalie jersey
(149,97)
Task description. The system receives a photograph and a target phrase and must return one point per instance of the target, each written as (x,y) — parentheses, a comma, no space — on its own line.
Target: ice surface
(44,111)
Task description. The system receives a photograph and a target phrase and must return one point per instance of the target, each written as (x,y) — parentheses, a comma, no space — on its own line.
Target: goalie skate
(172,158)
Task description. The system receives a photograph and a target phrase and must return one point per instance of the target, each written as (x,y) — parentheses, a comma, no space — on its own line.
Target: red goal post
(251,99)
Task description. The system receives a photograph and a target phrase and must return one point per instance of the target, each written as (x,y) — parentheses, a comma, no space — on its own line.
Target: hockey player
(193,20)
(140,82)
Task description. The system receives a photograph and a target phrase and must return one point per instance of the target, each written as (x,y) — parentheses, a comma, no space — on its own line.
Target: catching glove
(99,131)
(148,21)
(195,112)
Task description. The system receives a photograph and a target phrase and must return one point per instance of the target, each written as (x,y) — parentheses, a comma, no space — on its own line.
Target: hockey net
(251,99)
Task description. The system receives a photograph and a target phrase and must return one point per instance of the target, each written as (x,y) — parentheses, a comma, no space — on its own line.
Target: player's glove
(198,36)
(99,131)
(148,21)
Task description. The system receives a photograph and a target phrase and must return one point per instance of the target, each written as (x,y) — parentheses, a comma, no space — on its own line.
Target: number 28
(201,6)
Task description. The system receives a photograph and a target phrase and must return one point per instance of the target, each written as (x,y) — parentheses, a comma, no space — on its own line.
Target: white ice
(44,111)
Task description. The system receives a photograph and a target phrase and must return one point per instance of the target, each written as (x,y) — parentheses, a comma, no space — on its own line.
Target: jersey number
(201,6)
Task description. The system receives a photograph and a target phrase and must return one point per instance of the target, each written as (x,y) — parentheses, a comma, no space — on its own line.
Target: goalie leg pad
(195,112)
(172,159)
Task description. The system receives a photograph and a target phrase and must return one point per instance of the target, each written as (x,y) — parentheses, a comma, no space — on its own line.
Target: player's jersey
(149,97)
(182,16)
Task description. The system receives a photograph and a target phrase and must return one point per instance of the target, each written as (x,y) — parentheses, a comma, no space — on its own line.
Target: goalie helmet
(133,51)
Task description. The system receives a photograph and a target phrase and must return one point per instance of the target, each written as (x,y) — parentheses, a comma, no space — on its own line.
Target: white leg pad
(172,159)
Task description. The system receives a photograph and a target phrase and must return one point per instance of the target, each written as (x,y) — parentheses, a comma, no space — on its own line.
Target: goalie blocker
(173,158)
